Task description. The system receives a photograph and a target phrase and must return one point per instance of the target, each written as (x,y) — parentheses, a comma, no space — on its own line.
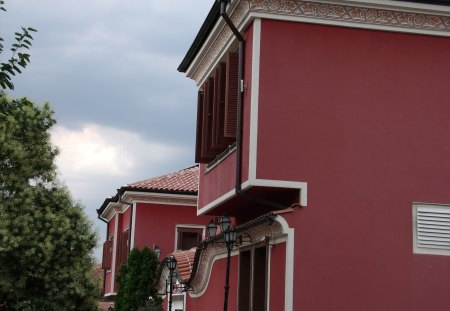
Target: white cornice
(130,197)
(382,15)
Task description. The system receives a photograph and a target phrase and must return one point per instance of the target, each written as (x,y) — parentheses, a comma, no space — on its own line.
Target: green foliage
(136,281)
(45,238)
(18,59)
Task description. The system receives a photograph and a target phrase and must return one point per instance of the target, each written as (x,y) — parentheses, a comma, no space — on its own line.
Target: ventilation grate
(432,227)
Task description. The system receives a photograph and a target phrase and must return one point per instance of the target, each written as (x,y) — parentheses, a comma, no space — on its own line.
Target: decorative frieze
(332,12)
(218,250)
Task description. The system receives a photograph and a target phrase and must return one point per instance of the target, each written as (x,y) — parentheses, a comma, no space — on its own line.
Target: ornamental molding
(380,16)
(129,198)
(218,251)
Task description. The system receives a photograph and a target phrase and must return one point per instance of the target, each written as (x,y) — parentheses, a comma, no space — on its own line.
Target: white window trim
(424,250)
(188,227)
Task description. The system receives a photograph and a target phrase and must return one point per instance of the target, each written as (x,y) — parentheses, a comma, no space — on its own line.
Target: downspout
(240,38)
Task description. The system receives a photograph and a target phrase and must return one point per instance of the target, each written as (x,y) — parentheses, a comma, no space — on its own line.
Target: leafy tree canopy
(18,58)
(46,240)
(136,281)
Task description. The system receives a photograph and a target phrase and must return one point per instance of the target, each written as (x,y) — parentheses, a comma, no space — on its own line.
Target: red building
(325,132)
(157,212)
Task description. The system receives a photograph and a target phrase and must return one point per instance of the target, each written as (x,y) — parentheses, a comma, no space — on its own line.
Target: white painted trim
(188,226)
(216,202)
(113,265)
(217,29)
(222,255)
(389,4)
(110,294)
(289,273)
(302,186)
(152,197)
(340,23)
(114,208)
(254,98)
(133,225)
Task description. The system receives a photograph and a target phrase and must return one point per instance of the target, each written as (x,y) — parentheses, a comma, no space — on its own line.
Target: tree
(18,59)
(136,281)
(46,240)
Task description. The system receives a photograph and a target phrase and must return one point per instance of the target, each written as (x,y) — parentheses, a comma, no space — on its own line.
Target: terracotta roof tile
(185,263)
(185,180)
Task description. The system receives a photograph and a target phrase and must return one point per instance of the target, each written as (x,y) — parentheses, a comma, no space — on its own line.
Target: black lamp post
(230,239)
(229,235)
(171,264)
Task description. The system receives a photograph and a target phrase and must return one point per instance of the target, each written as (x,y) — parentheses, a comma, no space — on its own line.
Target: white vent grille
(431,229)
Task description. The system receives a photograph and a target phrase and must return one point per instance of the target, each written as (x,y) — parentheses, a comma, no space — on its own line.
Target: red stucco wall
(156,223)
(363,117)
(277,276)
(213,297)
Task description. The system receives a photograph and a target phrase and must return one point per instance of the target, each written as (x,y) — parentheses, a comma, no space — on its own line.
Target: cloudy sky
(108,68)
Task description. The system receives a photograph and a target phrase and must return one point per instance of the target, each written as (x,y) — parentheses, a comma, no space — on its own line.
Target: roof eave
(202,35)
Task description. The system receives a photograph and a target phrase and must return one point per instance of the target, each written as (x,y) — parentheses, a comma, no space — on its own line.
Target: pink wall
(155,223)
(277,276)
(213,297)
(126,217)
(218,181)
(363,117)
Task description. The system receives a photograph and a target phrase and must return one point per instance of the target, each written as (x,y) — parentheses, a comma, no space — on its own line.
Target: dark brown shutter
(124,247)
(107,254)
(199,134)
(231,95)
(219,108)
(208,151)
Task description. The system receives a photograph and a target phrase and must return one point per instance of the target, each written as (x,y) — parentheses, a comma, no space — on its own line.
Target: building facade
(159,213)
(323,128)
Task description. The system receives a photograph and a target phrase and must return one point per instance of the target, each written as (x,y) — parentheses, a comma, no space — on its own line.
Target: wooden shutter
(107,254)
(219,108)
(199,133)
(231,95)
(124,247)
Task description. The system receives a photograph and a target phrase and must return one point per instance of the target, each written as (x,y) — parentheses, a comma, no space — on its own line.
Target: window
(253,279)
(107,254)
(188,237)
(431,229)
(217,111)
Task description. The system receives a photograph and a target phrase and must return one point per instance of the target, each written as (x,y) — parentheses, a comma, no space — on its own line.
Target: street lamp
(171,264)
(212,228)
(157,251)
(229,235)
(230,239)
(224,222)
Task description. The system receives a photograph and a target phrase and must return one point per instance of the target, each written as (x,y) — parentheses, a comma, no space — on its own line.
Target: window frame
(249,292)
(201,229)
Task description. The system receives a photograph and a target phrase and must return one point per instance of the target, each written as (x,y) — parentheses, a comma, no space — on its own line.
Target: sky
(109,70)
